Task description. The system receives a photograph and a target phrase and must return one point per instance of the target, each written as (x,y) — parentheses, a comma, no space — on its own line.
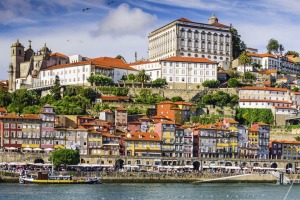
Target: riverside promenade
(147,177)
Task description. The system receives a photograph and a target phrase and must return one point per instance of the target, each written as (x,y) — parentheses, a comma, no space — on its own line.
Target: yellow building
(94,142)
(30,133)
(143,144)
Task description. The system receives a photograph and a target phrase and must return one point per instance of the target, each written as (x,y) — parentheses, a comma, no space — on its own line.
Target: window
(182,79)
(170,79)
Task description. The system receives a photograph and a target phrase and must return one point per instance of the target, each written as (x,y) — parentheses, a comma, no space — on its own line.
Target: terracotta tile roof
(189,59)
(270,71)
(184,20)
(219,24)
(107,134)
(121,108)
(142,136)
(59,55)
(85,117)
(264,100)
(261,55)
(230,120)
(166,102)
(107,111)
(144,118)
(113,98)
(264,88)
(282,107)
(103,62)
(184,103)
(25,116)
(296,93)
(3,110)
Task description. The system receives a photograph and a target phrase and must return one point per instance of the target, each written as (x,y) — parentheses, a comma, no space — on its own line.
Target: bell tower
(16,57)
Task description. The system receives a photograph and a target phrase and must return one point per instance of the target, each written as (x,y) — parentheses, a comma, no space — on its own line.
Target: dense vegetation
(146,96)
(206,119)
(211,83)
(219,98)
(65,157)
(251,115)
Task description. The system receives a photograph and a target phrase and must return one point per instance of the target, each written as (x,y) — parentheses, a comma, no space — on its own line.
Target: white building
(77,73)
(283,103)
(183,37)
(180,72)
(269,61)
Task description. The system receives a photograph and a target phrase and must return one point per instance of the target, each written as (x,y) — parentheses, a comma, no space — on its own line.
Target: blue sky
(112,27)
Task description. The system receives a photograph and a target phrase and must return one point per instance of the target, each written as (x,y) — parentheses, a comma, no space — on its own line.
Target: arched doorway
(39,160)
(119,164)
(288,168)
(228,164)
(256,164)
(274,165)
(196,165)
(265,165)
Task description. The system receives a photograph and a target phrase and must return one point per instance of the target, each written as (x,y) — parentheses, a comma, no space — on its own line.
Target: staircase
(285,180)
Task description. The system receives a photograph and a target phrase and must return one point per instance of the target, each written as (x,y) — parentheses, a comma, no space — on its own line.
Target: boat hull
(34,181)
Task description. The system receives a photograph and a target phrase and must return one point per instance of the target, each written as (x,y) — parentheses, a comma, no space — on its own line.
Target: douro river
(9,191)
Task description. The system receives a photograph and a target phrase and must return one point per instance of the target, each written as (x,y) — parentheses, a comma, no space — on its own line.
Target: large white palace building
(180,72)
(183,37)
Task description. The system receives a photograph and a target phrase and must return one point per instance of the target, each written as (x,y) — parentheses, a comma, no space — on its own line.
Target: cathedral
(25,65)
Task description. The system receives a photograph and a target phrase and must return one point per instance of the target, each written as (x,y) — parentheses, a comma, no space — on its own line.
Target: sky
(120,27)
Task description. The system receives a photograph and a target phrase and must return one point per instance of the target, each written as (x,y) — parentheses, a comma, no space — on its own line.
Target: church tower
(16,57)
(213,19)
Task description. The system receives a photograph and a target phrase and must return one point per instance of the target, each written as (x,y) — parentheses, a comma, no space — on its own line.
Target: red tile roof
(103,62)
(59,55)
(264,100)
(264,88)
(285,141)
(3,110)
(230,120)
(121,108)
(113,98)
(282,107)
(142,136)
(189,59)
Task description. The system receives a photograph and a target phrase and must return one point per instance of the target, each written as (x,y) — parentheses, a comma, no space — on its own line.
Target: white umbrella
(48,149)
(37,149)
(27,149)
(11,148)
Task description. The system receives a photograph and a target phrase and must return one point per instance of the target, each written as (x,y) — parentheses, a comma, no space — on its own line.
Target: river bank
(139,177)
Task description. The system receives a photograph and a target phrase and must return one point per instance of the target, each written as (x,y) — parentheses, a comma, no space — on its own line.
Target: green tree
(89,94)
(48,99)
(100,106)
(22,98)
(211,83)
(249,76)
(142,77)
(256,65)
(5,98)
(131,77)
(133,110)
(244,59)
(176,98)
(100,79)
(238,46)
(251,115)
(273,46)
(91,79)
(34,109)
(159,82)
(55,90)
(295,89)
(233,82)
(65,157)
(294,53)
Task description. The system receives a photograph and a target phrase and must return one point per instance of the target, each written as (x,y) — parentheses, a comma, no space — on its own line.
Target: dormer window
(140,136)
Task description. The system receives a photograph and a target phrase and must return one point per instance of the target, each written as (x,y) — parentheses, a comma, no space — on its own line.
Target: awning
(11,148)
(232,167)
(37,149)
(27,149)
(48,149)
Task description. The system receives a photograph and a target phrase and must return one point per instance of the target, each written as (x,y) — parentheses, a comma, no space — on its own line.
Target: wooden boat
(47,178)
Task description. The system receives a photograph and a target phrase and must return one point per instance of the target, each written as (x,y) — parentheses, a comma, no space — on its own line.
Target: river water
(138,191)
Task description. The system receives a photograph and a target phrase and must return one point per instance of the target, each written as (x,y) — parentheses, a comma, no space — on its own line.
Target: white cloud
(125,21)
